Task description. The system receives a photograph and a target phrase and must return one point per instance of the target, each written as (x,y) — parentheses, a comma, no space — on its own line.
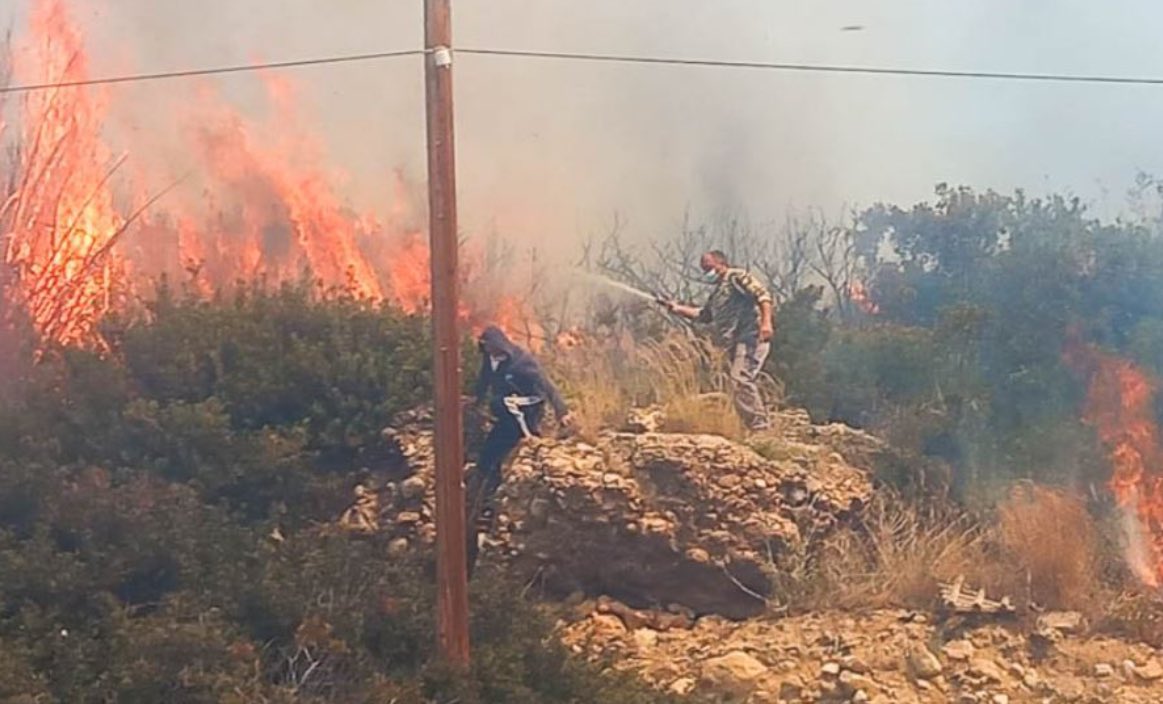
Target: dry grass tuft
(1044,547)
(687,378)
(894,558)
(1050,544)
(590,377)
(690,381)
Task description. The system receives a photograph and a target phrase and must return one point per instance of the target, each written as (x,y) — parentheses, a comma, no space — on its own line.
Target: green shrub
(164,513)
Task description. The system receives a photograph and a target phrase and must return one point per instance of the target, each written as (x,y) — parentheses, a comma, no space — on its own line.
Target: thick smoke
(550,150)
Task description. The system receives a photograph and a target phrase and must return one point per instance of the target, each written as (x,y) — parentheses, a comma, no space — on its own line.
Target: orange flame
(1119,405)
(859,294)
(268,207)
(280,215)
(59,219)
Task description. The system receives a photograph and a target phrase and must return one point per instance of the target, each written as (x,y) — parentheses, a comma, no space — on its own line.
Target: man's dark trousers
(505,436)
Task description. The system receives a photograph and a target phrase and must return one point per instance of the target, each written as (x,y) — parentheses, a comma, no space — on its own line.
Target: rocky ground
(656,550)
(656,520)
(880,656)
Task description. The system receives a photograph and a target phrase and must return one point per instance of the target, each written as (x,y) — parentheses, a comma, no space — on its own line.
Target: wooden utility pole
(451,568)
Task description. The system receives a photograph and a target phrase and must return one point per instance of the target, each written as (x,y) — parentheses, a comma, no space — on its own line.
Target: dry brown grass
(1050,542)
(1042,546)
(590,377)
(1134,614)
(687,378)
(894,558)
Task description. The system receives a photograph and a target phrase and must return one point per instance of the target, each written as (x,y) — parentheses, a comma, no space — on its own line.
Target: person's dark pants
(505,436)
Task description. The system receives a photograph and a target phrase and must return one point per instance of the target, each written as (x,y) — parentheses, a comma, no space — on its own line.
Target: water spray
(624,288)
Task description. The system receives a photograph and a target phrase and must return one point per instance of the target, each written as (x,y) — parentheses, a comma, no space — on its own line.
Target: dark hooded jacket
(518,374)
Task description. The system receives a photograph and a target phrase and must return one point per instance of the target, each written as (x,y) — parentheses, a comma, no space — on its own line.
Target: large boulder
(652,519)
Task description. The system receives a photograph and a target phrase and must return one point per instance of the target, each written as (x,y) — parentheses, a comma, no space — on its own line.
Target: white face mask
(495,361)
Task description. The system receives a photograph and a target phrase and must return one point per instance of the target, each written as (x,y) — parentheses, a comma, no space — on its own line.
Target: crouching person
(517,391)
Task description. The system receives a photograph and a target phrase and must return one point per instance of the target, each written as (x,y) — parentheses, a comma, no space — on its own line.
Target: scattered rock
(1068,689)
(407,518)
(682,686)
(1102,669)
(791,689)
(645,637)
(959,650)
(856,664)
(735,672)
(1129,669)
(645,420)
(986,669)
(851,683)
(923,663)
(397,548)
(1066,622)
(412,488)
(607,626)
(1152,671)
(830,669)
(698,555)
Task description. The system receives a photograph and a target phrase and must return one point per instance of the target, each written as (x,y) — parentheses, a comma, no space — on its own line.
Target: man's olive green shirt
(732,310)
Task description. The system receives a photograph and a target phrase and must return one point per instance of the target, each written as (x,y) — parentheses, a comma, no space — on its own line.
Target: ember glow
(1119,405)
(859,294)
(260,202)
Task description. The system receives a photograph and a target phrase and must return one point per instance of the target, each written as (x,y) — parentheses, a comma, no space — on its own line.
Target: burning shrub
(83,243)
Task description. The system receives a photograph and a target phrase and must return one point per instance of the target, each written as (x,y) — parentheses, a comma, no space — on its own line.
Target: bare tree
(789,258)
(835,262)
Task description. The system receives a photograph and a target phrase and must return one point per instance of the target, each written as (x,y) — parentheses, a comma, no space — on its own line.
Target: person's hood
(497,339)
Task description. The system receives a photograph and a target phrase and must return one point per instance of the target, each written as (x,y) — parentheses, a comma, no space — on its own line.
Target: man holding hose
(739,314)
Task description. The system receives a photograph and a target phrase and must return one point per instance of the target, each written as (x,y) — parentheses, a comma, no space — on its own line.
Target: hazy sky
(551,149)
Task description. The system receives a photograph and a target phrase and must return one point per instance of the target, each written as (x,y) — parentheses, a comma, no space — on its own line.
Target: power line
(605,58)
(816,68)
(241,68)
